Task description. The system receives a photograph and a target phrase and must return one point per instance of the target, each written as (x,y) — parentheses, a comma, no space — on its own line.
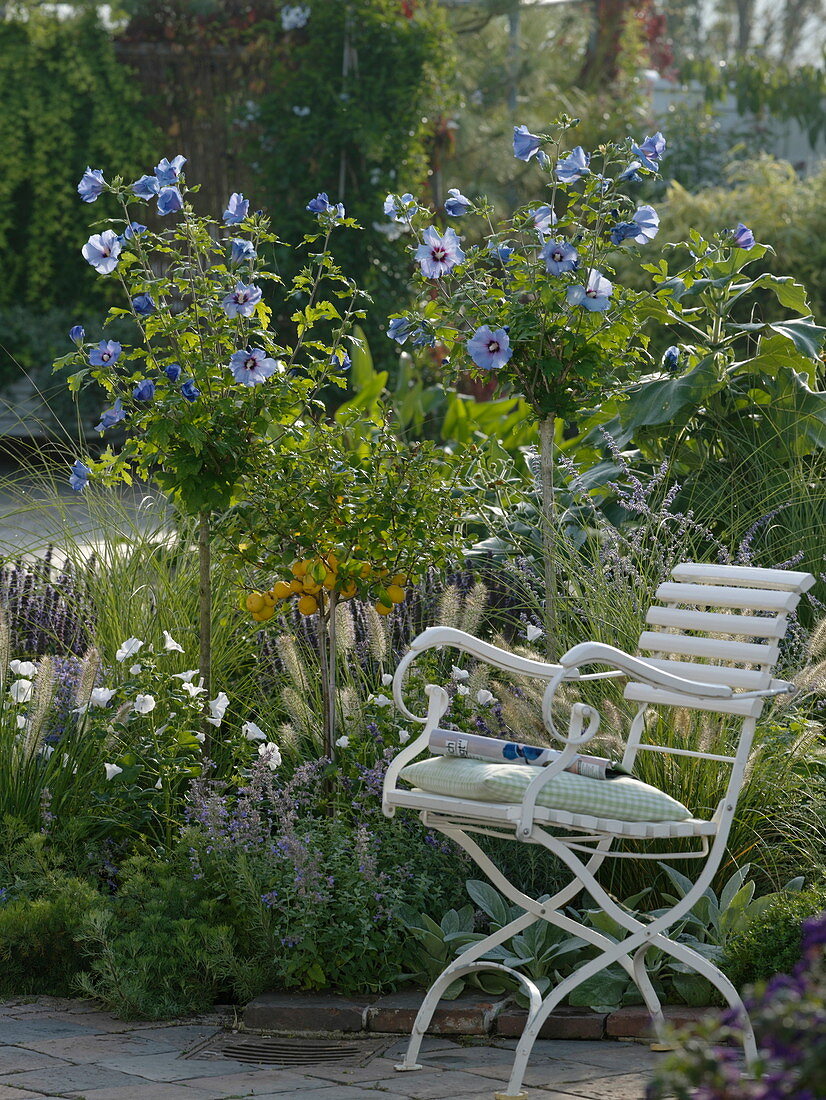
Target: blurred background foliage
(361,97)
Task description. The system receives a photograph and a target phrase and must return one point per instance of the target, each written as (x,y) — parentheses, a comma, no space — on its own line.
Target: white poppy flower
(144,703)
(462,689)
(201,736)
(21,691)
(533,632)
(404,737)
(386,679)
(23,668)
(134,670)
(343,742)
(217,708)
(459,673)
(253,732)
(100,697)
(112,770)
(170,644)
(186,676)
(193,689)
(270,754)
(382,701)
(129,648)
(484,697)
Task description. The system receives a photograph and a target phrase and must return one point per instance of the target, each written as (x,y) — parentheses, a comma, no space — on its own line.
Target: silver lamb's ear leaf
(489,900)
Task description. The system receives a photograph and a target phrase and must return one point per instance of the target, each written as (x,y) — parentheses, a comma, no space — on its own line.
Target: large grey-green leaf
(662,399)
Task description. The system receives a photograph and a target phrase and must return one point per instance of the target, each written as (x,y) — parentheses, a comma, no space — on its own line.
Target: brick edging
(469,1014)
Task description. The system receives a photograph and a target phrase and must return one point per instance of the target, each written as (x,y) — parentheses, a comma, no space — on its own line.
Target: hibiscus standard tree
(207,384)
(533,302)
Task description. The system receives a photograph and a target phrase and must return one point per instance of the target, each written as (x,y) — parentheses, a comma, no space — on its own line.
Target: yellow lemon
(270,598)
(395,592)
(348,591)
(299,568)
(254,602)
(308,605)
(383,609)
(282,589)
(310,586)
(264,614)
(400,579)
(296,585)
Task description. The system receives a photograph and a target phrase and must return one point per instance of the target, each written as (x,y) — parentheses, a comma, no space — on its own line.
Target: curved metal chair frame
(695,664)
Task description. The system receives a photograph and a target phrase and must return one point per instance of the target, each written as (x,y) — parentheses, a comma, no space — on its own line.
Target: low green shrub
(771,942)
(39,951)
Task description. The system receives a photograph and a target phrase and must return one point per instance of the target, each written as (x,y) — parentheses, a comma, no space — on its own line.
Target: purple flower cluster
(48,610)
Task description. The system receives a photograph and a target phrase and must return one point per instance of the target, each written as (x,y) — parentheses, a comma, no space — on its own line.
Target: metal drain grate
(257,1050)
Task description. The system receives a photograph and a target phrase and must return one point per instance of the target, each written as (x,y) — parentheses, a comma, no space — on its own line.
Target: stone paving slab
(48,1051)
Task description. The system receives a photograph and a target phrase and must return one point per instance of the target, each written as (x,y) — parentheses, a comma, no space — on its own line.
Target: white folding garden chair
(714,640)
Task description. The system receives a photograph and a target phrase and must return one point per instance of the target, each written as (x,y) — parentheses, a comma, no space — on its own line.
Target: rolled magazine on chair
(474,747)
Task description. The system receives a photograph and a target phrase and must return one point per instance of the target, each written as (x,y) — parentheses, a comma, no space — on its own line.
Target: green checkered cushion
(622,798)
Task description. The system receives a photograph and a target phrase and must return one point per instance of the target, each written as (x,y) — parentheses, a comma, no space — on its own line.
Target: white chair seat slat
(747,626)
(642,693)
(748,679)
(712,595)
(715,649)
(781,580)
(471,812)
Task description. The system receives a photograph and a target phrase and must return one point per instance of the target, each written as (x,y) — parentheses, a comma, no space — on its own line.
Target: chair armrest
(436,636)
(587,653)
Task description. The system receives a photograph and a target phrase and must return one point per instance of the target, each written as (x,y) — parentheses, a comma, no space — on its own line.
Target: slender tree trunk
(205,612)
(548,526)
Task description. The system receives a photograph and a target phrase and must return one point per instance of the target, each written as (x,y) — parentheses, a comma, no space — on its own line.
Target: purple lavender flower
(525,144)
(236,210)
(559,257)
(170,201)
(110,417)
(102,251)
(77,334)
(251,366)
(439,254)
(242,301)
(457,204)
(143,304)
(742,237)
(489,349)
(146,188)
(168,172)
(574,166)
(145,390)
(594,295)
(92,184)
(650,151)
(189,390)
(240,251)
(105,354)
(79,476)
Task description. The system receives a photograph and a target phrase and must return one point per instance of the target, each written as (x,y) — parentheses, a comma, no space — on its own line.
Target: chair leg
(463,964)
(721,983)
(639,974)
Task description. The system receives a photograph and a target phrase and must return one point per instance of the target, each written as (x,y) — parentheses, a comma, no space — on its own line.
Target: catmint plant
(533,303)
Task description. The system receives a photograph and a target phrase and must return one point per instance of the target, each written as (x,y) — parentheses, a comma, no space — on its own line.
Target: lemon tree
(340,511)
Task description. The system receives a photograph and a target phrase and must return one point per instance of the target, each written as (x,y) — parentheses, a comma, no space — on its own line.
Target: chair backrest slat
(747,576)
(745,626)
(715,649)
(642,693)
(713,595)
(746,679)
